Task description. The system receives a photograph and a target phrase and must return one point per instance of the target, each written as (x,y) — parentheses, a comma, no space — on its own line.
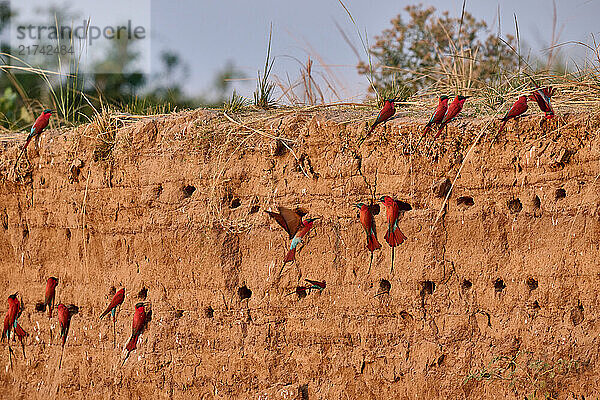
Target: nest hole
(385,286)
(188,190)
(499,285)
(535,305)
(209,312)
(441,188)
(531,283)
(466,284)
(68,234)
(235,203)
(244,292)
(403,206)
(466,201)
(560,194)
(178,314)
(142,294)
(112,291)
(254,209)
(537,203)
(427,287)
(40,307)
(577,316)
(514,206)
(303,392)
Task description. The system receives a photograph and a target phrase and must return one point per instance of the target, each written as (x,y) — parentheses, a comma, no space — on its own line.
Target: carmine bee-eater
(139,323)
(306,226)
(516,110)
(438,114)
(10,321)
(21,334)
(316,285)
(51,284)
(542,97)
(116,301)
(38,126)
(368,223)
(394,235)
(64,320)
(453,110)
(386,113)
(290,220)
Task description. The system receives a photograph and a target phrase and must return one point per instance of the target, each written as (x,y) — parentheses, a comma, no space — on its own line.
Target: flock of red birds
(290,220)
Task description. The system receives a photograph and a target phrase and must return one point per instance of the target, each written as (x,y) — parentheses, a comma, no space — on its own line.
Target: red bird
(516,110)
(368,223)
(115,302)
(300,291)
(21,334)
(10,321)
(305,227)
(394,235)
(64,320)
(139,323)
(386,113)
(51,284)
(453,110)
(439,113)
(38,126)
(542,98)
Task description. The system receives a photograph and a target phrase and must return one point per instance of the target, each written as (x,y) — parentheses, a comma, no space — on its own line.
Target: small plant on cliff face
(263,96)
(533,377)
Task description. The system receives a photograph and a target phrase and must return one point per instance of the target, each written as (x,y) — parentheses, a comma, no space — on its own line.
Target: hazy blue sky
(208,33)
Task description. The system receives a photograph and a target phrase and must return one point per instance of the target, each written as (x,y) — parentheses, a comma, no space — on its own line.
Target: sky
(209,33)
(237,30)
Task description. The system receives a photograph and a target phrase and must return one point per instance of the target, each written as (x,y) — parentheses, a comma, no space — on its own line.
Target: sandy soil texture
(493,295)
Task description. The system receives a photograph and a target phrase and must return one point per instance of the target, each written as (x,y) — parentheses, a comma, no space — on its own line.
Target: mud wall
(492,295)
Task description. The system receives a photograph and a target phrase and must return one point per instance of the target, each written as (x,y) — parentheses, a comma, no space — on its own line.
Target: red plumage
(51,284)
(305,227)
(453,110)
(438,114)
(139,321)
(38,126)
(394,235)
(116,301)
(367,221)
(386,113)
(542,97)
(14,309)
(516,110)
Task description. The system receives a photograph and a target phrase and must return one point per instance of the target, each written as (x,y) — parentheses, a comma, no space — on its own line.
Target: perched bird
(394,235)
(316,285)
(14,310)
(64,320)
(51,284)
(438,114)
(116,301)
(386,113)
(21,334)
(306,226)
(139,323)
(290,220)
(38,126)
(516,110)
(368,223)
(453,110)
(366,219)
(542,97)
